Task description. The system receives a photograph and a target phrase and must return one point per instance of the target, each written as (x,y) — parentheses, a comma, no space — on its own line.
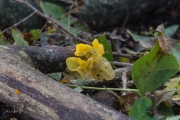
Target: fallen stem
(99,88)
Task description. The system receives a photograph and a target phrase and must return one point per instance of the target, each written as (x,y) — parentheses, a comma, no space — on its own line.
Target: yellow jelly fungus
(97,50)
(82,49)
(98,46)
(103,70)
(96,55)
(89,63)
(77,66)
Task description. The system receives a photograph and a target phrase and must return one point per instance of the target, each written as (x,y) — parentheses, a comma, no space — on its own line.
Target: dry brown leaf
(163,39)
(158,97)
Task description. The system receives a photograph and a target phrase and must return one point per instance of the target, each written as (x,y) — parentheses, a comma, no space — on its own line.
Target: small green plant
(148,73)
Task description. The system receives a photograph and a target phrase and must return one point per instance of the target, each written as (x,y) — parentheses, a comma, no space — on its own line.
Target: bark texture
(43,98)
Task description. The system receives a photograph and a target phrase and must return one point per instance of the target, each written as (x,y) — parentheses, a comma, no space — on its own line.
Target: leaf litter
(148,73)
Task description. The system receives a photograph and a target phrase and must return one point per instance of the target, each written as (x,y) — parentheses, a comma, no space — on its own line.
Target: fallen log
(41,97)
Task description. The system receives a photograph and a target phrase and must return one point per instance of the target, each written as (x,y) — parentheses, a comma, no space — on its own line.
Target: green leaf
(171,30)
(57,12)
(107,47)
(153,69)
(35,33)
(174,118)
(56,76)
(78,89)
(156,67)
(165,109)
(139,110)
(176,51)
(144,41)
(18,37)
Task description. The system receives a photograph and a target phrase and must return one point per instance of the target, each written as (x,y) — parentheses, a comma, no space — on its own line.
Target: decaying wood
(45,59)
(43,98)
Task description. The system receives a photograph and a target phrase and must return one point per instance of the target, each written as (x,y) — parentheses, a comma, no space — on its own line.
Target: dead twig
(122,55)
(54,21)
(23,20)
(125,21)
(122,64)
(45,24)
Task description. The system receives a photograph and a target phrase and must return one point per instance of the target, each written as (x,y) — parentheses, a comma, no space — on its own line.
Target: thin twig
(54,21)
(122,55)
(45,24)
(120,98)
(69,17)
(23,20)
(125,21)
(124,81)
(112,92)
(122,64)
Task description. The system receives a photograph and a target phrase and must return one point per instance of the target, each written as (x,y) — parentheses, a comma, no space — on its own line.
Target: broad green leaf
(56,76)
(35,33)
(153,69)
(107,47)
(156,67)
(57,12)
(18,37)
(139,110)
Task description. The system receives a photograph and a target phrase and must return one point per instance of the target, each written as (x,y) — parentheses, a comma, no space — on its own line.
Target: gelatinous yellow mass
(89,62)
(76,65)
(97,50)
(82,49)
(103,70)
(98,46)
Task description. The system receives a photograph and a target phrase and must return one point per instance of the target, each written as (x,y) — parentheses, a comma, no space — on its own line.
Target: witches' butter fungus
(89,63)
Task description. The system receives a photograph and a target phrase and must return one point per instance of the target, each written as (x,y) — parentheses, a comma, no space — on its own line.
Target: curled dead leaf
(163,40)
(158,97)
